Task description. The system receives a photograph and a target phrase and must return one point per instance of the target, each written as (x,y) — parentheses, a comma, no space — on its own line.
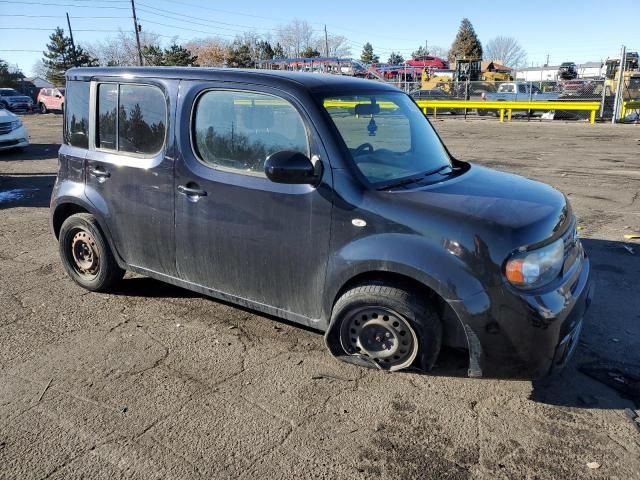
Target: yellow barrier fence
(629,105)
(507,106)
(503,106)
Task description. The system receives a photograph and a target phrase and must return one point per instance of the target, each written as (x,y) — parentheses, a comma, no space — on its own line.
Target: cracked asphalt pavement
(152,381)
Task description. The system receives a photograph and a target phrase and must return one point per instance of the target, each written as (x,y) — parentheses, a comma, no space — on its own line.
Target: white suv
(13,133)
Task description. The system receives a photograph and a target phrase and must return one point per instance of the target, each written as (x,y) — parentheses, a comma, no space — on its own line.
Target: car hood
(17,98)
(497,206)
(7,116)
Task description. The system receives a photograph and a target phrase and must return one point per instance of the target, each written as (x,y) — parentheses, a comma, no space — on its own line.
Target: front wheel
(43,108)
(387,327)
(86,255)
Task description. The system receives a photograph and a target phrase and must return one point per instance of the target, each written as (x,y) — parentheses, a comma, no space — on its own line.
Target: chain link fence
(578,90)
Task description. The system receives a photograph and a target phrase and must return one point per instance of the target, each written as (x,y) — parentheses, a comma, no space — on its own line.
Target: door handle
(191,192)
(99,173)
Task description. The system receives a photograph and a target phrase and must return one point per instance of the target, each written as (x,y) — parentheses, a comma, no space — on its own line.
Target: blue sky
(569,30)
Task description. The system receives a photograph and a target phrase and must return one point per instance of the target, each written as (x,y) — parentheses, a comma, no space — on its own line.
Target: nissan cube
(324,200)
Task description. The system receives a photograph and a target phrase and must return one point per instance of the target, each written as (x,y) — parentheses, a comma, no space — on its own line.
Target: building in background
(550,72)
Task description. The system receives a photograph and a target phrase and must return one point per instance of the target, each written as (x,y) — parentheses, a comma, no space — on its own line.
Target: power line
(47,4)
(60,16)
(197,18)
(53,28)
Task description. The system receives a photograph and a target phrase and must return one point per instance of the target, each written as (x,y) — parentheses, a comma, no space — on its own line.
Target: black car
(325,200)
(567,71)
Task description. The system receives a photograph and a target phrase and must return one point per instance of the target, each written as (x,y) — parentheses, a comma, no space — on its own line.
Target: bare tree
(438,51)
(121,49)
(507,51)
(338,46)
(39,69)
(211,52)
(295,37)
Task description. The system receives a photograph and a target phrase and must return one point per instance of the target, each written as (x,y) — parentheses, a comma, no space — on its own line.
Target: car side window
(238,130)
(130,118)
(76,114)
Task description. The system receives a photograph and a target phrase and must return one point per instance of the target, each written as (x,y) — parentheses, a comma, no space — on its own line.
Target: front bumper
(14,139)
(526,335)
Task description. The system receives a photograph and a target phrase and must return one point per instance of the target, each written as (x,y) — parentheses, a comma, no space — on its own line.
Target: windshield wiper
(412,179)
(437,170)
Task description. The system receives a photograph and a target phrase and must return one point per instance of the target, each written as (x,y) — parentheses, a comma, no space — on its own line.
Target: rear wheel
(86,255)
(388,327)
(43,108)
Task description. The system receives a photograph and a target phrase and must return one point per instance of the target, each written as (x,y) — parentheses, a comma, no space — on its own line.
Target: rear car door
(236,231)
(129,169)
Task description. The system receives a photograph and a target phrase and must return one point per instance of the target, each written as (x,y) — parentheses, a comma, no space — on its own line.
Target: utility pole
(618,100)
(426,47)
(326,42)
(547,64)
(73,45)
(136,27)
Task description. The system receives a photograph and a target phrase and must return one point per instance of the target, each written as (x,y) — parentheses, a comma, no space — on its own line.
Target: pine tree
(420,52)
(240,56)
(179,56)
(466,44)
(9,78)
(264,50)
(153,55)
(60,56)
(309,52)
(278,51)
(367,55)
(395,59)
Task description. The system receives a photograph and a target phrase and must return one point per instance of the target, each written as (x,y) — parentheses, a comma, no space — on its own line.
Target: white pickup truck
(522,91)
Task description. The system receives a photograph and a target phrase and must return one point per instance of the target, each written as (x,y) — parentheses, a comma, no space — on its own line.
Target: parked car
(434,94)
(326,200)
(524,91)
(51,99)
(578,88)
(14,101)
(567,71)
(13,133)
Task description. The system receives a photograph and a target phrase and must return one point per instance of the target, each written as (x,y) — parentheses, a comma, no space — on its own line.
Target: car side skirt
(315,323)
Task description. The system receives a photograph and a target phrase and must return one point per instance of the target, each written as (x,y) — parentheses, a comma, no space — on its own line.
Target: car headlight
(535,268)
(16,124)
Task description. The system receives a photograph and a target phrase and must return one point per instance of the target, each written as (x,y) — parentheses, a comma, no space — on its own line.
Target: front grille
(5,128)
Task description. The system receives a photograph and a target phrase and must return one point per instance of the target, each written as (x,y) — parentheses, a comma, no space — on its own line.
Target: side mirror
(58,95)
(291,167)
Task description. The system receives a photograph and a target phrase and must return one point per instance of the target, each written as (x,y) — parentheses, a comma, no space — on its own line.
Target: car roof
(316,82)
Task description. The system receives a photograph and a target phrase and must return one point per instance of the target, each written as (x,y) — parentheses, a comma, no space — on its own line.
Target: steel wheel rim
(84,254)
(380,335)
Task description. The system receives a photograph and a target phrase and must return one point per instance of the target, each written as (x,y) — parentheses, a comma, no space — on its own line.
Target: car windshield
(8,92)
(387,135)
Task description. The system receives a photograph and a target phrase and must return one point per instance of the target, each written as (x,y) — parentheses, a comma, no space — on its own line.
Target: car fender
(404,254)
(67,192)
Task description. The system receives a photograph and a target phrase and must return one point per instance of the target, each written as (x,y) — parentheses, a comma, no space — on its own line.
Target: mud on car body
(325,200)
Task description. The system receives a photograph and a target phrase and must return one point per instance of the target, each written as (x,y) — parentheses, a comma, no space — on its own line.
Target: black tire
(79,234)
(415,310)
(43,108)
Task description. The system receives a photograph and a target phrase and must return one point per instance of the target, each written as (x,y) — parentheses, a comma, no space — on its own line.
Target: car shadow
(607,354)
(34,151)
(605,369)
(26,190)
(151,288)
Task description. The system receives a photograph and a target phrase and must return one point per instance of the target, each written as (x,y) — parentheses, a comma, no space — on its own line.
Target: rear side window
(76,114)
(239,130)
(131,118)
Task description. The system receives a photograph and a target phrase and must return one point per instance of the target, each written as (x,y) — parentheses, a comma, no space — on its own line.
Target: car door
(236,231)
(129,169)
